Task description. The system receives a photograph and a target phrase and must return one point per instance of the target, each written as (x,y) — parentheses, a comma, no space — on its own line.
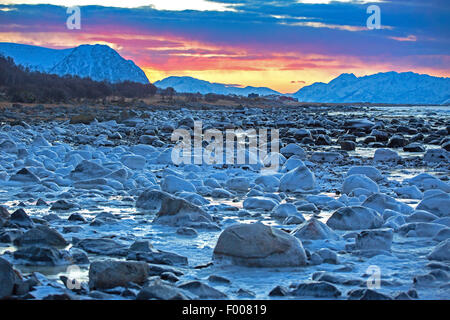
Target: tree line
(19,84)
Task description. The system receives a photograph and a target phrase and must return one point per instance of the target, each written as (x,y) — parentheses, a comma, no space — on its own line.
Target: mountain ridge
(98,62)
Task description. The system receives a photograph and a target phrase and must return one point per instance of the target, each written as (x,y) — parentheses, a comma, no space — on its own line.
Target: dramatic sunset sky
(283,44)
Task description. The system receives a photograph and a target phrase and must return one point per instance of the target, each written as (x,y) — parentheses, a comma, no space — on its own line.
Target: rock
(298,219)
(25,176)
(347,145)
(62,205)
(8,146)
(173,184)
(297,180)
(409,192)
(79,256)
(7,279)
(41,235)
(358,124)
(326,156)
(202,291)
(42,256)
(313,229)
(421,216)
(134,162)
(369,294)
(396,141)
(421,229)
(354,218)
(279,291)
(257,245)
(21,219)
(185,231)
(438,204)
(414,147)
(240,184)
(316,289)
(380,202)
(293,149)
(269,183)
(386,155)
(441,252)
(181,213)
(369,171)
(221,193)
(109,274)
(4,213)
(442,235)
(359,181)
(255,203)
(380,239)
(161,291)
(100,246)
(76,217)
(218,279)
(285,209)
(436,155)
(328,256)
(150,200)
(425,181)
(88,170)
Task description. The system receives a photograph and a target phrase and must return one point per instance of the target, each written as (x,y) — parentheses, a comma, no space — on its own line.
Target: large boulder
(263,203)
(101,246)
(439,204)
(174,184)
(41,235)
(258,245)
(134,162)
(178,212)
(240,184)
(7,279)
(151,199)
(298,179)
(437,155)
(24,176)
(426,181)
(380,239)
(355,218)
(359,181)
(109,274)
(386,155)
(314,229)
(269,183)
(87,170)
(369,171)
(380,202)
(293,149)
(441,252)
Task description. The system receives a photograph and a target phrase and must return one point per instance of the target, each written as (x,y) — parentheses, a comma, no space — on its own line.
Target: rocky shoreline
(92,206)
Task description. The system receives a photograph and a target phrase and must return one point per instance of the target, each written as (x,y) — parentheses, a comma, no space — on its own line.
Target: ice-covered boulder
(380,202)
(386,155)
(299,179)
(87,170)
(319,156)
(436,155)
(379,239)
(258,245)
(238,184)
(369,171)
(438,204)
(355,218)
(283,210)
(293,149)
(409,192)
(426,181)
(179,212)
(173,184)
(269,183)
(421,229)
(441,252)
(263,203)
(355,181)
(134,162)
(24,176)
(314,229)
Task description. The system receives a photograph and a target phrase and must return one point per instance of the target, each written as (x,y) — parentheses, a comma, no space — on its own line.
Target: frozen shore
(93,207)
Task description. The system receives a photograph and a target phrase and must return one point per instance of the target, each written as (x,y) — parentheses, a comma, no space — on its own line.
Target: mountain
(193,85)
(98,62)
(388,87)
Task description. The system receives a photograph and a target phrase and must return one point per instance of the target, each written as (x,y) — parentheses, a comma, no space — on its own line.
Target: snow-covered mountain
(98,62)
(193,85)
(388,87)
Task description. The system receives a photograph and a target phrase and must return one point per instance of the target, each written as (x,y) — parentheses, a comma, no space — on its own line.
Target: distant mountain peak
(98,62)
(383,87)
(193,85)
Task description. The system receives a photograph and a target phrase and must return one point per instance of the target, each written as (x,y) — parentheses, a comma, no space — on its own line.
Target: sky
(283,44)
